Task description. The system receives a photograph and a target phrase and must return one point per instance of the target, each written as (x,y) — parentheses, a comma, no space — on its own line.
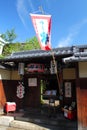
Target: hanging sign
(68,89)
(33,67)
(42,26)
(53,67)
(32,82)
(20,90)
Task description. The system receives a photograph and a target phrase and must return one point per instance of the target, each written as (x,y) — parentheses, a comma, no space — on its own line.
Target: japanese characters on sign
(68,89)
(53,67)
(42,26)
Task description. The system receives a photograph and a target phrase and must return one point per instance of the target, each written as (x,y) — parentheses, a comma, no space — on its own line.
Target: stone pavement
(36,120)
(26,123)
(9,122)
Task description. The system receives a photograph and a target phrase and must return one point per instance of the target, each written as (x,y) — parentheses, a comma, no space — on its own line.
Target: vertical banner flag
(42,26)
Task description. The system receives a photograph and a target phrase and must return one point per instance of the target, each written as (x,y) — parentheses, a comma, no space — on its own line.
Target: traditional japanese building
(61,69)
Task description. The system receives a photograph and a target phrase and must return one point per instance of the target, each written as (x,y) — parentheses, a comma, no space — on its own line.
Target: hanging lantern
(21,68)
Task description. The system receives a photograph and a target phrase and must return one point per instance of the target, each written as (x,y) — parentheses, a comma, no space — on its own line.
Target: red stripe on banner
(42,26)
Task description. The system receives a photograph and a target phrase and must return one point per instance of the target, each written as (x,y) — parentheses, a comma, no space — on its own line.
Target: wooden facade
(82,95)
(74,73)
(69,75)
(8,83)
(8,90)
(32,97)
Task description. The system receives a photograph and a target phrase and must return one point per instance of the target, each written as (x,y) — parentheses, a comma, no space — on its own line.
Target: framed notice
(68,89)
(32,82)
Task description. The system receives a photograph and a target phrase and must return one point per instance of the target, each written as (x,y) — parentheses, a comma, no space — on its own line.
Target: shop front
(29,81)
(80,59)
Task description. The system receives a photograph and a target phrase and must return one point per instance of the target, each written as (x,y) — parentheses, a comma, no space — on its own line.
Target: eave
(38,55)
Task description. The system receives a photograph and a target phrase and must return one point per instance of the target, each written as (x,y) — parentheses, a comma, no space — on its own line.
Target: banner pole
(41,9)
(54,61)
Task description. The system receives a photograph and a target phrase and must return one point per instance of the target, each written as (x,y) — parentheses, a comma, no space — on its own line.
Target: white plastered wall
(82,69)
(9,75)
(69,73)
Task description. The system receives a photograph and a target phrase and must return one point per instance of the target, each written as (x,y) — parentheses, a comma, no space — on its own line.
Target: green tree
(9,36)
(10,48)
(30,44)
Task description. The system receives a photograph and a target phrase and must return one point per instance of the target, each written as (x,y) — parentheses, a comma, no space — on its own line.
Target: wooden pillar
(2,96)
(81,90)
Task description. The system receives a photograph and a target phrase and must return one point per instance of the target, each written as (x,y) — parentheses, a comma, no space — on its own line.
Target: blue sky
(69,20)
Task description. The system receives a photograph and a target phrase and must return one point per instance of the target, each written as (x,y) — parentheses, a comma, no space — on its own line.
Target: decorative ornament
(20,90)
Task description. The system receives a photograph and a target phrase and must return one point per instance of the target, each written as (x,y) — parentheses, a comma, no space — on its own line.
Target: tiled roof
(73,51)
(2,67)
(38,54)
(77,57)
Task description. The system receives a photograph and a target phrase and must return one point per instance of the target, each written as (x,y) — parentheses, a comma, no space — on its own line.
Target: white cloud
(31,5)
(23,9)
(65,41)
(74,31)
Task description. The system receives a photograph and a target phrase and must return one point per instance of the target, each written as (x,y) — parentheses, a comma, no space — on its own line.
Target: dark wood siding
(81,102)
(32,94)
(8,89)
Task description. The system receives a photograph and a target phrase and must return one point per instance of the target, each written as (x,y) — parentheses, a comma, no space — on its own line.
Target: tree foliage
(10,48)
(30,44)
(9,36)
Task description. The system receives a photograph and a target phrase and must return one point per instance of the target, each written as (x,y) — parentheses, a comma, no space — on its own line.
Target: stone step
(1,111)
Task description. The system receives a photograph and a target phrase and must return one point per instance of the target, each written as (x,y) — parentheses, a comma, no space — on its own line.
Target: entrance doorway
(50,96)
